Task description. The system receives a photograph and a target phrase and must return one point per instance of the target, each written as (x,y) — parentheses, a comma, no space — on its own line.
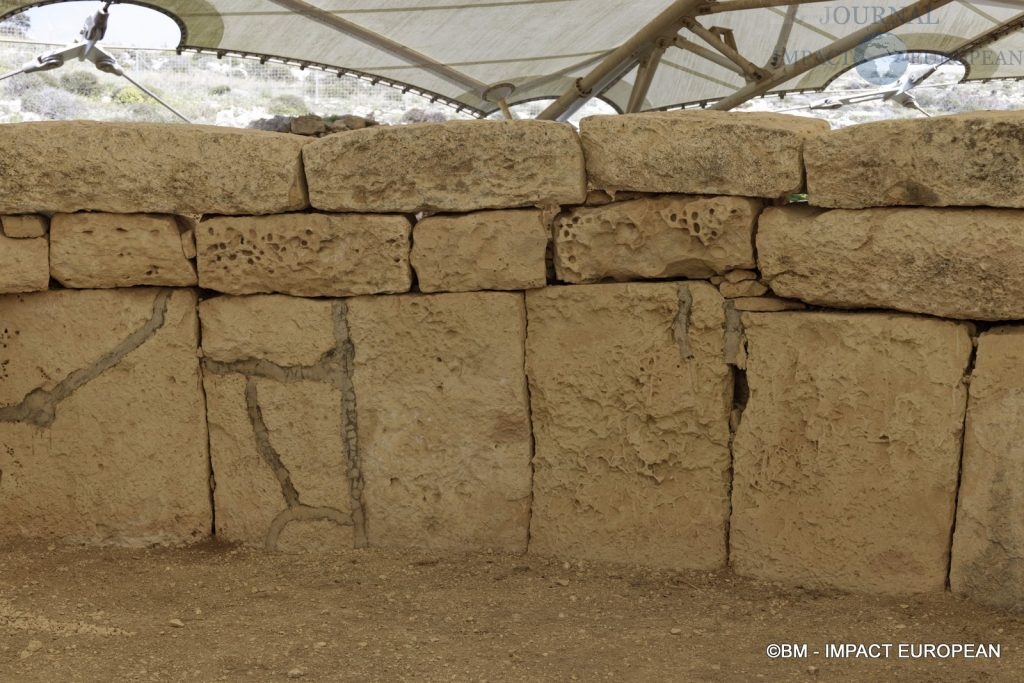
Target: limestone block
(284,330)
(955,263)
(102,250)
(630,398)
(698,152)
(988,547)
(69,166)
(845,460)
(744,288)
(657,237)
(24,264)
(305,254)
(454,166)
(24,226)
(482,250)
(765,304)
(973,159)
(102,428)
(443,420)
(278,461)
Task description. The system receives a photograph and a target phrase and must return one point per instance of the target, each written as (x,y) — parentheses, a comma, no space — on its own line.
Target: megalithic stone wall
(626,343)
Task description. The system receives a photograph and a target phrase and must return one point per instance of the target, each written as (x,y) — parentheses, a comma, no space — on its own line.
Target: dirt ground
(221,613)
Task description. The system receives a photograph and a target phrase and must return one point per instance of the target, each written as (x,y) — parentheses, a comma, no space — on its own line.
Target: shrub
(51,103)
(130,95)
(82,83)
(220,90)
(422,116)
(288,105)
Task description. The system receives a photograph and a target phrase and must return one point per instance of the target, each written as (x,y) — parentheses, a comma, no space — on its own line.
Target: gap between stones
(212,477)
(529,417)
(968,374)
(39,407)
(735,356)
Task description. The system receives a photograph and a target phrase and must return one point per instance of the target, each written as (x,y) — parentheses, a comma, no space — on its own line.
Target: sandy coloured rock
(954,263)
(451,166)
(744,288)
(847,453)
(305,254)
(698,152)
(656,237)
(630,397)
(481,250)
(443,420)
(974,159)
(765,304)
(285,330)
(101,417)
(69,166)
(24,226)
(24,264)
(988,547)
(103,250)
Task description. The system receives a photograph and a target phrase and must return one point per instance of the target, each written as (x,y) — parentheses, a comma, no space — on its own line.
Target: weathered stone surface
(956,263)
(698,152)
(744,288)
(451,166)
(278,462)
(102,250)
(737,276)
(765,304)
(102,430)
(974,159)
(69,166)
(443,421)
(630,397)
(988,547)
(24,226)
(482,250)
(656,237)
(305,254)
(845,461)
(24,264)
(284,330)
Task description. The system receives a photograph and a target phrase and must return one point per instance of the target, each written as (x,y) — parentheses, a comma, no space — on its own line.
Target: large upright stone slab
(955,263)
(102,428)
(974,159)
(845,461)
(481,250)
(630,397)
(24,264)
(68,166)
(452,166)
(278,414)
(658,237)
(305,254)
(698,152)
(988,547)
(102,250)
(443,421)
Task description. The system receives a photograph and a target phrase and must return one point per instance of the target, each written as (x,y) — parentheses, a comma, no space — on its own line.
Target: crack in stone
(325,370)
(681,323)
(735,352)
(350,422)
(302,513)
(968,375)
(39,407)
(265,448)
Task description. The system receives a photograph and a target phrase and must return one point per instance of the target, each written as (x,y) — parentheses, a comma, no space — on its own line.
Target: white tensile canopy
(638,55)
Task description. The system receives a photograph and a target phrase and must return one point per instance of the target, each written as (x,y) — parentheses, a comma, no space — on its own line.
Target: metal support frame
(706,53)
(751,71)
(396,49)
(621,60)
(644,77)
(894,20)
(736,5)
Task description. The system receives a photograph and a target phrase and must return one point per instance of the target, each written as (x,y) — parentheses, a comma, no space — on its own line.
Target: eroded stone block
(974,159)
(24,226)
(630,397)
(24,265)
(102,428)
(69,166)
(845,460)
(453,166)
(102,250)
(988,548)
(658,237)
(305,254)
(285,330)
(443,422)
(954,263)
(698,152)
(482,250)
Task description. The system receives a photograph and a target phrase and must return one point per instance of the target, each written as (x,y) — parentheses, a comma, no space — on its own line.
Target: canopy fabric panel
(475,52)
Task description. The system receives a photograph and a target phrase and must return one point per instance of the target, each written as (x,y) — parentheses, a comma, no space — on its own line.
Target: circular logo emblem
(881,59)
